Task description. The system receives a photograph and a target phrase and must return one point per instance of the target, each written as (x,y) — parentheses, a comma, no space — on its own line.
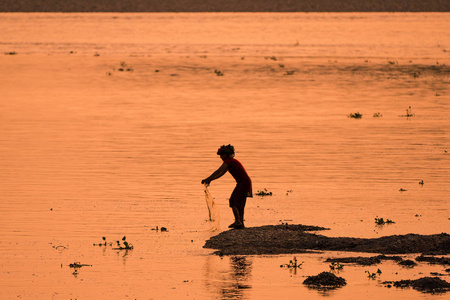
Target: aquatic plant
(78,265)
(377,115)
(373,275)
(125,246)
(270,57)
(125,67)
(263,193)
(421,182)
(218,72)
(281,65)
(409,113)
(356,115)
(11,53)
(288,73)
(336,266)
(288,192)
(381,221)
(293,264)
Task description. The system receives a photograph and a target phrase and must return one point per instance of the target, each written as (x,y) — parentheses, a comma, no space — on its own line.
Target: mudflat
(286,239)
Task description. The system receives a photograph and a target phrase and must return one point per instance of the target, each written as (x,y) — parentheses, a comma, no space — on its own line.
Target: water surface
(88,150)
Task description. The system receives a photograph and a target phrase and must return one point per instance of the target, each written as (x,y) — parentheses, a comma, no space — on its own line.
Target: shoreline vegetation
(225,6)
(290,239)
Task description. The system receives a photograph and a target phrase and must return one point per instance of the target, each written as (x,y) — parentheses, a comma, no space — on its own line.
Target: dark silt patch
(424,284)
(288,239)
(324,280)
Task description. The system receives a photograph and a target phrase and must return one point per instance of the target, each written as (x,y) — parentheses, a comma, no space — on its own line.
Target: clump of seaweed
(11,53)
(263,193)
(356,115)
(325,280)
(270,57)
(289,73)
(381,221)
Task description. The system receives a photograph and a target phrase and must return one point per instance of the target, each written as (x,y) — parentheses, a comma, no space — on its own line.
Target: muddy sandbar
(287,239)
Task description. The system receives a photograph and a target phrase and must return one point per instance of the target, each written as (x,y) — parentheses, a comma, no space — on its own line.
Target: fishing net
(212,209)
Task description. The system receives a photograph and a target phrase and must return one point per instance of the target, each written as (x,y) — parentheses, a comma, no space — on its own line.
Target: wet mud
(324,280)
(424,284)
(288,239)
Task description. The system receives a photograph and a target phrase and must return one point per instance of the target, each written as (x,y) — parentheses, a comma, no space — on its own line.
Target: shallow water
(87,150)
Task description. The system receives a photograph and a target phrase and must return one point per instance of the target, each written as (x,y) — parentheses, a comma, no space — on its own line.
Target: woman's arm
(217,174)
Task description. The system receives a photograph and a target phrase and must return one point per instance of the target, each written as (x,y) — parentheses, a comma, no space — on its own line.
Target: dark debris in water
(289,239)
(424,284)
(325,280)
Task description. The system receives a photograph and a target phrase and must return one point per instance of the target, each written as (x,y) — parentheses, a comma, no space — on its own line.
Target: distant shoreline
(225,6)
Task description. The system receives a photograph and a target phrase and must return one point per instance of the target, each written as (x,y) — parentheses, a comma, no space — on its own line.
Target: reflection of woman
(243,187)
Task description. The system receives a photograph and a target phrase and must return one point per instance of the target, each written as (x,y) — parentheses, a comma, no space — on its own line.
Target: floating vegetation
(96,54)
(78,265)
(402,190)
(293,264)
(288,73)
(377,115)
(374,275)
(393,62)
(421,182)
(381,221)
(281,65)
(163,229)
(218,72)
(11,53)
(325,280)
(124,246)
(416,74)
(356,115)
(424,284)
(409,113)
(270,57)
(263,193)
(288,192)
(336,266)
(124,67)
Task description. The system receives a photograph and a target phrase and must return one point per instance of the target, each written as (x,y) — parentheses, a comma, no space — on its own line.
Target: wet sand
(285,239)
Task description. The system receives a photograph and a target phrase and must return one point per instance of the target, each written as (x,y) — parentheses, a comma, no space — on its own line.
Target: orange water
(88,151)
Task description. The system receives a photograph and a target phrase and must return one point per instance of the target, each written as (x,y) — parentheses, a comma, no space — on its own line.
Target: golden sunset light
(188,149)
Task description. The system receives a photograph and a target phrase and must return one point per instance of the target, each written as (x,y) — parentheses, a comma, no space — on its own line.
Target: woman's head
(226,151)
